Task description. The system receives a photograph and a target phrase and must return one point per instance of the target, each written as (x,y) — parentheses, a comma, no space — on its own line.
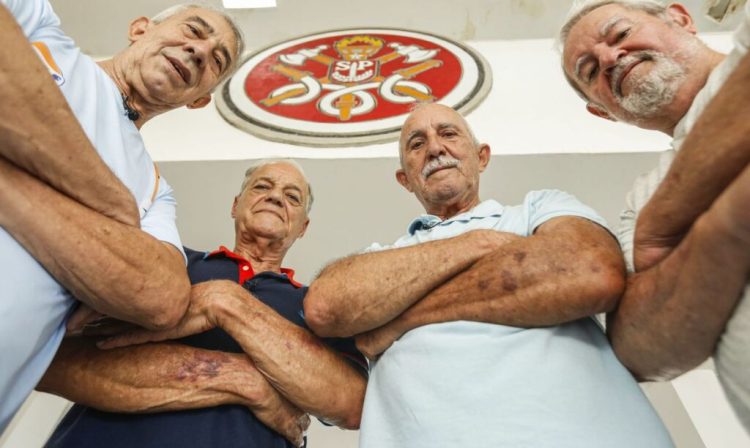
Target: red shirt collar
(246,268)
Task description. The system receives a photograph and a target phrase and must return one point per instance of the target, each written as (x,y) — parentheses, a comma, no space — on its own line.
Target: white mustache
(624,63)
(438,164)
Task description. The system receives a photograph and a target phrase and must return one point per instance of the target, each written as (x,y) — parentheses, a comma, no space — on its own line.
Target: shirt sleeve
(545,205)
(742,34)
(33,16)
(348,349)
(160,221)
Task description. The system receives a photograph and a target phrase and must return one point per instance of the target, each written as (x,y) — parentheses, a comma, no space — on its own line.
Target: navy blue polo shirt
(221,426)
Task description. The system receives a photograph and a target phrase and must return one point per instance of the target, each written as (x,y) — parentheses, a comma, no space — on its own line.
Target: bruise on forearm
(571,271)
(298,364)
(147,378)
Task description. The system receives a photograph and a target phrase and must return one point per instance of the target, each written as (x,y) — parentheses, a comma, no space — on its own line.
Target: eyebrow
(288,186)
(414,134)
(603,32)
(607,27)
(200,21)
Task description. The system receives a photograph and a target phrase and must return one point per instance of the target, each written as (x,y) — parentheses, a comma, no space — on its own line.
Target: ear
(234,207)
(598,111)
(138,28)
(680,16)
(199,103)
(402,179)
(484,156)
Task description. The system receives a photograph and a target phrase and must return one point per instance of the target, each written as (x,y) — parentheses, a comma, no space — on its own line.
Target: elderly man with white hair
(479,320)
(83,210)
(686,230)
(246,371)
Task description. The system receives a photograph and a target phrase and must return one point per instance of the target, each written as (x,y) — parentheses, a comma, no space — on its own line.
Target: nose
(435,147)
(274,196)
(608,56)
(198,50)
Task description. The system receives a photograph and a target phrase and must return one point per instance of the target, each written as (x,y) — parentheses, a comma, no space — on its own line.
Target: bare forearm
(60,154)
(148,378)
(363,292)
(712,156)
(672,315)
(572,271)
(115,268)
(296,363)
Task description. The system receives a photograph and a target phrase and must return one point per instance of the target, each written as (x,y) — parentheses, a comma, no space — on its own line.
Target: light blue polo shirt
(469,384)
(33,306)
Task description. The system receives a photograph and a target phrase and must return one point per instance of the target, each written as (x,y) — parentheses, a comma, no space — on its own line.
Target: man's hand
(647,254)
(374,342)
(199,318)
(279,414)
(83,315)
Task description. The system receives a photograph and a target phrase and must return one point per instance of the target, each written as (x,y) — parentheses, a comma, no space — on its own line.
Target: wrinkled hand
(374,342)
(649,250)
(200,317)
(279,414)
(83,315)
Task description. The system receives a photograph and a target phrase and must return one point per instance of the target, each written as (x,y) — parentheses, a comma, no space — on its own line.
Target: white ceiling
(99,27)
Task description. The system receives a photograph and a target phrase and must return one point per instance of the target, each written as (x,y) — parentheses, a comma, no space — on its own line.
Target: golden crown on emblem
(358,48)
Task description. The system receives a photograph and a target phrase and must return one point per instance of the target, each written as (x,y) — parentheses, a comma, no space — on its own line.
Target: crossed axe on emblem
(349,98)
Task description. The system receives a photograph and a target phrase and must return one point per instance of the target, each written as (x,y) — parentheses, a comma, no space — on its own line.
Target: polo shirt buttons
(246,268)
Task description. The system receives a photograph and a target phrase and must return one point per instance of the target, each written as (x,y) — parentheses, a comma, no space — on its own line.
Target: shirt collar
(223,250)
(484,209)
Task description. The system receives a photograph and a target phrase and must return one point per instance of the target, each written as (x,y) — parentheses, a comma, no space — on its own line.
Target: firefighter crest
(350,87)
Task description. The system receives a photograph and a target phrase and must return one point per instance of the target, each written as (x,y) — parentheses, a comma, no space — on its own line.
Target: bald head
(441,160)
(429,109)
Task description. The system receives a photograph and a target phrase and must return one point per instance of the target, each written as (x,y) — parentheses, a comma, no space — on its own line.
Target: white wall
(538,115)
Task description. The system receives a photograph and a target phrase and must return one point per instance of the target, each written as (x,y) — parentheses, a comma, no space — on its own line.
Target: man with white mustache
(686,229)
(478,321)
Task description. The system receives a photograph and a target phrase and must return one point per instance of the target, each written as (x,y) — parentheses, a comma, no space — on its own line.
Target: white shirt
(732,355)
(33,306)
(471,384)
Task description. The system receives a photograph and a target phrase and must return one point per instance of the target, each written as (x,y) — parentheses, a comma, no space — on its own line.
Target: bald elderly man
(478,321)
(83,210)
(686,229)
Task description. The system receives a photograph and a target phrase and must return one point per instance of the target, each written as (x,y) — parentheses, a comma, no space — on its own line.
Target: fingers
(135,337)
(107,326)
(82,316)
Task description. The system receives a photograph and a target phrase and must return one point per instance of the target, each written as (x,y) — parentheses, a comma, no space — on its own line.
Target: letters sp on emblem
(350,87)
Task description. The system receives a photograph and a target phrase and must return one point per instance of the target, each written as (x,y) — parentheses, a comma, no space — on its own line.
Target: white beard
(654,91)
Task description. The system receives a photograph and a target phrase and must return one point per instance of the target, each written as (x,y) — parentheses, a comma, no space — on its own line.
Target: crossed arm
(63,204)
(291,372)
(570,268)
(691,244)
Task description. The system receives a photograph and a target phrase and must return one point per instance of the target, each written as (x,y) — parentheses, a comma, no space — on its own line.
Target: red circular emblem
(349,87)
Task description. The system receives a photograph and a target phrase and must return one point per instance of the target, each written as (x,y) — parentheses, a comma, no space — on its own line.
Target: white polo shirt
(33,306)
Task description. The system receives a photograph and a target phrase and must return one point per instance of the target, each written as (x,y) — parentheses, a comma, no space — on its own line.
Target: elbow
(351,416)
(319,315)
(167,304)
(353,419)
(606,288)
(647,355)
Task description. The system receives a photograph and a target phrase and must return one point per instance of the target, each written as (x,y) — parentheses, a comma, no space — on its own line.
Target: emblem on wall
(350,87)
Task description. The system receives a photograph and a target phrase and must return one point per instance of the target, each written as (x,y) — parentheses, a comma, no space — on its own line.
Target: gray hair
(238,35)
(421,105)
(582,7)
(263,162)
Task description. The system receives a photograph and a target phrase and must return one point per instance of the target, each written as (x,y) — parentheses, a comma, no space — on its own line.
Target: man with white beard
(686,229)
